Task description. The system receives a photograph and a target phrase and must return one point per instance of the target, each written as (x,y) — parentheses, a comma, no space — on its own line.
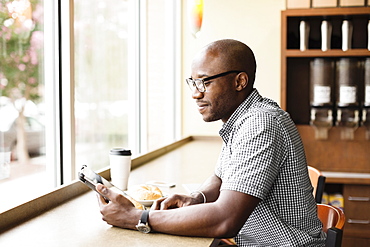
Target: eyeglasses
(200,83)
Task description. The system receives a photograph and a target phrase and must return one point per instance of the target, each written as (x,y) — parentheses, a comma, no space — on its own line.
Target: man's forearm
(220,218)
(211,188)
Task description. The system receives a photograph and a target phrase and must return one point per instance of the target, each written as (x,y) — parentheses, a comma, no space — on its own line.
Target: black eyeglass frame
(195,83)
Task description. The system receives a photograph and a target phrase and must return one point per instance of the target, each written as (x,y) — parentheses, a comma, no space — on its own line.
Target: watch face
(143,228)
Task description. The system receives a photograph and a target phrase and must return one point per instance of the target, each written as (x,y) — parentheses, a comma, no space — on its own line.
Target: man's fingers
(104,193)
(157,204)
(102,200)
(102,189)
(166,204)
(173,201)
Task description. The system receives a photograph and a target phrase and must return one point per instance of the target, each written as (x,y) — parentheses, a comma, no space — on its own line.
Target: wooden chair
(318,183)
(333,220)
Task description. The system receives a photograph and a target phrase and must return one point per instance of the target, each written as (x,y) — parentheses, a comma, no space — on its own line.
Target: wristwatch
(143,225)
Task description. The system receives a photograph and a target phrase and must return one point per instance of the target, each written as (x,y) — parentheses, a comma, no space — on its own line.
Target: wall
(256,23)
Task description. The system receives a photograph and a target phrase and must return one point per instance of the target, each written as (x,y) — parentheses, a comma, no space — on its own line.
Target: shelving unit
(332,155)
(290,52)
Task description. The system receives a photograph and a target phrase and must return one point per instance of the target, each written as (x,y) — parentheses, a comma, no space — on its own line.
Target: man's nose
(196,94)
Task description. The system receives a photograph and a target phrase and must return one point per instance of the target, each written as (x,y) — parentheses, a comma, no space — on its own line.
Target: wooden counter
(78,222)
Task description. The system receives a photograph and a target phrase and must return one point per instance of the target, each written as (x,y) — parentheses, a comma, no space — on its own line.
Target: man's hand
(211,188)
(119,211)
(174,201)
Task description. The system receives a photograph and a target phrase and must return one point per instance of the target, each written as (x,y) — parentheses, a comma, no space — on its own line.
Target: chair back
(333,220)
(318,183)
(330,216)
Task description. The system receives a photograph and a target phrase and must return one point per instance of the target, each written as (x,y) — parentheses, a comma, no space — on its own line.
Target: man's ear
(241,81)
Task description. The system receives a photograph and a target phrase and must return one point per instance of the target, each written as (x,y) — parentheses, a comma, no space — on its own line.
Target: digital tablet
(91,179)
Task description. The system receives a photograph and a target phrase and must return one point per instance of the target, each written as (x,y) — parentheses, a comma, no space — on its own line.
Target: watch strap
(144,217)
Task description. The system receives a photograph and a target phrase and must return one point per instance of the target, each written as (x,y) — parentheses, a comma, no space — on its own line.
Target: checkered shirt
(263,156)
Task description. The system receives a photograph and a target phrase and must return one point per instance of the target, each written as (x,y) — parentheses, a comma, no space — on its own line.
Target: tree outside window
(21,75)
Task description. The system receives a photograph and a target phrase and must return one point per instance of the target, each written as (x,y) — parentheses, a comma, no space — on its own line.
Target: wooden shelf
(329,53)
(326,11)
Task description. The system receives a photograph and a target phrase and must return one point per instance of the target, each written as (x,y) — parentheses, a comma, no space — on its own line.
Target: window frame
(52,93)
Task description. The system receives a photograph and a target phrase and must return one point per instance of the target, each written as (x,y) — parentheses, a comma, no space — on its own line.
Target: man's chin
(209,119)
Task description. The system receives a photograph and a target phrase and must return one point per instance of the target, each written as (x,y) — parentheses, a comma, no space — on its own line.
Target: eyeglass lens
(196,84)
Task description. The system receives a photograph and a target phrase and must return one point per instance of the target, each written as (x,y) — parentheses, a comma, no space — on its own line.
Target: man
(260,193)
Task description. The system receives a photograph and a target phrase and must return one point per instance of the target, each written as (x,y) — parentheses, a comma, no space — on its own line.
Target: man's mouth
(202,106)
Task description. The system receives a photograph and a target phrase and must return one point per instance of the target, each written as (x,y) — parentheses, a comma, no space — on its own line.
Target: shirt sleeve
(251,159)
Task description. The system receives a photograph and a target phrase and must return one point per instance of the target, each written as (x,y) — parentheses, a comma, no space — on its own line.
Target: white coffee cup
(120,167)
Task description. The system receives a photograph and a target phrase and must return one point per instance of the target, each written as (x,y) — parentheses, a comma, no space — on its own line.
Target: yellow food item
(145,192)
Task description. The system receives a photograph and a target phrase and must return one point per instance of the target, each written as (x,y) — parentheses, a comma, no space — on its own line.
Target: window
(23,42)
(122,87)
(162,82)
(101,103)
(117,76)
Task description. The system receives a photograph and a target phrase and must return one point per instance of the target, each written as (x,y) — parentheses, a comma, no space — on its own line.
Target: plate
(161,184)
(146,203)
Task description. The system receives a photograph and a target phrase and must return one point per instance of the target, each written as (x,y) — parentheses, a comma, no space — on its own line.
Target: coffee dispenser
(366,105)
(321,96)
(347,96)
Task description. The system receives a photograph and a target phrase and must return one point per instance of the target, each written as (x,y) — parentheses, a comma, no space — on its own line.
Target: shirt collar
(226,129)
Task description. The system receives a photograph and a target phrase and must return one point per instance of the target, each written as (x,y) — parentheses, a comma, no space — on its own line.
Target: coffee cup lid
(120,151)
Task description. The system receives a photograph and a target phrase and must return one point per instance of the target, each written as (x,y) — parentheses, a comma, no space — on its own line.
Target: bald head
(231,54)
